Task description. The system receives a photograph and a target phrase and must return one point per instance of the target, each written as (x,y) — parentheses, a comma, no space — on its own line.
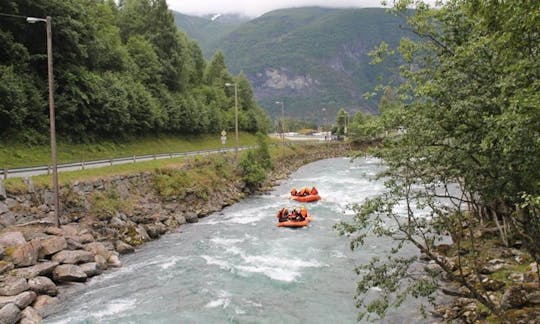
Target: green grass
(13,155)
(15,185)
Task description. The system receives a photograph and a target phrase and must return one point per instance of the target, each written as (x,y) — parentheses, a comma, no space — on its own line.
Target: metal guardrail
(44,169)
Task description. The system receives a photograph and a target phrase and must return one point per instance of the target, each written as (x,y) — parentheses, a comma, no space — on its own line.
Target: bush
(253,174)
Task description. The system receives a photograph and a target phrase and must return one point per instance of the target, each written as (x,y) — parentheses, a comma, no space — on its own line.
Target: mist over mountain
(311,58)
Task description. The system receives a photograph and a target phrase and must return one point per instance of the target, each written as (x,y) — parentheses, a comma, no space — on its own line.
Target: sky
(255,8)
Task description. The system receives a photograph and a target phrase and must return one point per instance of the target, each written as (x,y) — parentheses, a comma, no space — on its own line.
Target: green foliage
(105,204)
(253,174)
(466,115)
(120,70)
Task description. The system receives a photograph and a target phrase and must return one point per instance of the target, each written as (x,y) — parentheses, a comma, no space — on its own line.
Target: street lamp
(47,21)
(235,115)
(282,127)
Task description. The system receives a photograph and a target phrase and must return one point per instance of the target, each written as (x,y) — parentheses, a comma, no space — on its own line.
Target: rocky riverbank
(105,218)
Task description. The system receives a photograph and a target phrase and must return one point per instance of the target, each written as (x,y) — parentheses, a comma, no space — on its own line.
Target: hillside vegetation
(121,69)
(312,58)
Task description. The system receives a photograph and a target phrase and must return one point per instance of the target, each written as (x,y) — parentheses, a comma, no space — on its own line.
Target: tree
(466,114)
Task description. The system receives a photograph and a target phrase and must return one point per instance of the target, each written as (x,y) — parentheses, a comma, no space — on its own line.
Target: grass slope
(14,155)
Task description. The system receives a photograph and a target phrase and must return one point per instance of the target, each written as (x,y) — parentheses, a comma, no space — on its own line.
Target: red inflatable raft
(291,223)
(308,198)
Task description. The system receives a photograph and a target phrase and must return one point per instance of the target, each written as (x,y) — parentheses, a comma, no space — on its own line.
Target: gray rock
(514,297)
(10,314)
(12,286)
(180,219)
(10,202)
(101,262)
(8,219)
(52,245)
(68,272)
(43,301)
(21,300)
(24,255)
(191,217)
(123,248)
(30,316)
(97,248)
(12,239)
(43,286)
(86,238)
(533,298)
(155,230)
(40,269)
(91,269)
(73,257)
(73,244)
(114,261)
(52,230)
(5,266)
(3,208)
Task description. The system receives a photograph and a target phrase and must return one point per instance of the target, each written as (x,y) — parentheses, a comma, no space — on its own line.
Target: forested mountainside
(311,58)
(121,69)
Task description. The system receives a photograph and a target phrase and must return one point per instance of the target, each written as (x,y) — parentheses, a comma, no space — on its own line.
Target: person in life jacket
(293,192)
(302,192)
(303,211)
(314,191)
(283,215)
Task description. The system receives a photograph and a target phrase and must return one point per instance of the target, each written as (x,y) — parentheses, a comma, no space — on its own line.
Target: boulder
(43,286)
(533,298)
(86,238)
(73,244)
(12,286)
(91,269)
(3,208)
(52,245)
(21,300)
(180,219)
(155,230)
(8,219)
(191,217)
(123,248)
(12,238)
(25,254)
(101,262)
(69,272)
(30,316)
(40,269)
(43,301)
(114,261)
(73,257)
(514,297)
(52,230)
(10,314)
(5,266)
(97,248)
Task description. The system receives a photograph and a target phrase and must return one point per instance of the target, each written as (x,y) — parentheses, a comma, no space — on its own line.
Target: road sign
(223,139)
(223,133)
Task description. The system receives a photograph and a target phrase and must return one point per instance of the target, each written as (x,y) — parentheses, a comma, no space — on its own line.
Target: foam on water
(115,307)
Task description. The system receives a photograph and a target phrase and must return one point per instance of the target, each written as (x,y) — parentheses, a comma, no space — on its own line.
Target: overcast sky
(254,8)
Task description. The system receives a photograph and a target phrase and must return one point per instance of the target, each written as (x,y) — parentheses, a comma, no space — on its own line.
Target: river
(236,266)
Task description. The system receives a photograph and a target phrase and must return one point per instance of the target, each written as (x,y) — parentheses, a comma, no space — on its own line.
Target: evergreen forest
(122,69)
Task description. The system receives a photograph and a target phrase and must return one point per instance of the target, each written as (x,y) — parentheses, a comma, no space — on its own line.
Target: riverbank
(105,218)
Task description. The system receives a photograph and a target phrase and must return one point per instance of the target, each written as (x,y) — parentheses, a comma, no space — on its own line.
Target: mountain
(311,58)
(209,29)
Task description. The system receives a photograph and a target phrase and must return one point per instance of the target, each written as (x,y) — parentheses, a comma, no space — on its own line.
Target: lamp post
(54,163)
(235,115)
(282,127)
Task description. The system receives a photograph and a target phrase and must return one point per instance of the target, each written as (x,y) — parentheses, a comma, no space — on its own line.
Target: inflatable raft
(308,198)
(290,223)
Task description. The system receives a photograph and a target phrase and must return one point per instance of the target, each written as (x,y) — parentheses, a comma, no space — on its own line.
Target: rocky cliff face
(100,220)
